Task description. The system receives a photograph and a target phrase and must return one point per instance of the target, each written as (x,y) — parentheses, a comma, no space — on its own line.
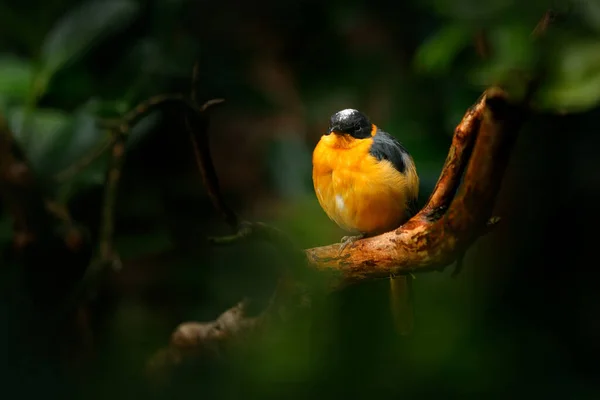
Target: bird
(366,181)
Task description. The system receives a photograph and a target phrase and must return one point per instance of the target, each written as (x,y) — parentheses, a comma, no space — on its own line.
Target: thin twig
(542,26)
(85,161)
(114,125)
(143,108)
(199,138)
(482,46)
(267,233)
(121,129)
(106,247)
(198,133)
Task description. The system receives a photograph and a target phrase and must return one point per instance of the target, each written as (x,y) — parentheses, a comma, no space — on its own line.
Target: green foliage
(567,61)
(437,53)
(590,11)
(45,128)
(16,76)
(514,57)
(471,10)
(573,82)
(54,139)
(75,33)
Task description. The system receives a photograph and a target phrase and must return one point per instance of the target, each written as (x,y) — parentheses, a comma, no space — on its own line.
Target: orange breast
(358,192)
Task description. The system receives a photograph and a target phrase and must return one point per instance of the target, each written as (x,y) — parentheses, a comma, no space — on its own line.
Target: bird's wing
(387,147)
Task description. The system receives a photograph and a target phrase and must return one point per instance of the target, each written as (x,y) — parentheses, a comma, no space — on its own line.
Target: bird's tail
(401,303)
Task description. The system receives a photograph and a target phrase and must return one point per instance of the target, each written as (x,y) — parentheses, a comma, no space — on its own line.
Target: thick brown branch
(193,340)
(472,208)
(458,156)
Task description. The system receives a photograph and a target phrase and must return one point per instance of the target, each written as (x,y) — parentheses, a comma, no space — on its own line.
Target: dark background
(521,320)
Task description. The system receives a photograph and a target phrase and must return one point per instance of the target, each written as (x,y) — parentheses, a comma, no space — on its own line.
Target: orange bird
(367,183)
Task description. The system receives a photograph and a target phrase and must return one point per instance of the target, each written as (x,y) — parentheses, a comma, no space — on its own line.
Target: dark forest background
(521,320)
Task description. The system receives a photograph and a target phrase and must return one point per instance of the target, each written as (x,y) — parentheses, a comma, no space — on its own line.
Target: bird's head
(350,122)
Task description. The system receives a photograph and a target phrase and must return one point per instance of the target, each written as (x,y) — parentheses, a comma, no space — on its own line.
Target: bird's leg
(348,240)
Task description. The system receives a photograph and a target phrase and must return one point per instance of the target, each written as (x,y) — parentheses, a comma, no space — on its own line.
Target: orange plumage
(358,192)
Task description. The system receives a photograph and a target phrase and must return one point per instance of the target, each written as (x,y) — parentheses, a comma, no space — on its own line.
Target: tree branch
(106,252)
(198,132)
(456,162)
(192,341)
(203,340)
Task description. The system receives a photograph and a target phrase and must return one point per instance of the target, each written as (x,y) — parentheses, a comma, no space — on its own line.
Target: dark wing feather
(387,147)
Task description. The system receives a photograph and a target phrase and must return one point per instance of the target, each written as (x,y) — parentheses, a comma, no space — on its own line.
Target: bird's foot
(348,240)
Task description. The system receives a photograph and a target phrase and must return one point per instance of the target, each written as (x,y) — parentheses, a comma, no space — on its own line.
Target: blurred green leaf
(438,52)
(71,86)
(105,109)
(16,76)
(83,136)
(513,58)
(574,77)
(590,11)
(41,129)
(78,30)
(144,62)
(474,10)
(307,223)
(55,139)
